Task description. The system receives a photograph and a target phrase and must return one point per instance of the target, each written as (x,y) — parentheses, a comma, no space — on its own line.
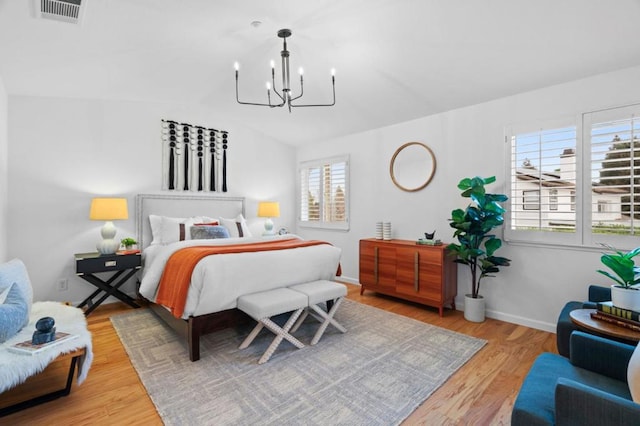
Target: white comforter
(218,280)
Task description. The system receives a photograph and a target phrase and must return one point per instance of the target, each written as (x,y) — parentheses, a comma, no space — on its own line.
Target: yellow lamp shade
(109,209)
(268,209)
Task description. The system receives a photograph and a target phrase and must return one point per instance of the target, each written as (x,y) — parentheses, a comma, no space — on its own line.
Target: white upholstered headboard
(173,205)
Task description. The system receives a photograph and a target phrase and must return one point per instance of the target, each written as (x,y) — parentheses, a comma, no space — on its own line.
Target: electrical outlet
(63,284)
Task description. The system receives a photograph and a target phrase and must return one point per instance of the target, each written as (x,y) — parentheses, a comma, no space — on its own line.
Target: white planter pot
(473,308)
(625,298)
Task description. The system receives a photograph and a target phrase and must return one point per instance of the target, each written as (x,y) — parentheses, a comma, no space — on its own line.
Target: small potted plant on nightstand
(128,243)
(626,274)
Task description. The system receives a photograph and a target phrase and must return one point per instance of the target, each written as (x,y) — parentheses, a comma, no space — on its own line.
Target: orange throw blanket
(176,277)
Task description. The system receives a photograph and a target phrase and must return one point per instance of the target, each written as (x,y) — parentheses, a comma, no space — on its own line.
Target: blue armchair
(565,326)
(589,388)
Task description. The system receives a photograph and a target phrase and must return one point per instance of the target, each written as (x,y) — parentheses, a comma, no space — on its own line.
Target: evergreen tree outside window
(615,171)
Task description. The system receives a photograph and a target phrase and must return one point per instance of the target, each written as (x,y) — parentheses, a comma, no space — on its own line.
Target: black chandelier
(285,94)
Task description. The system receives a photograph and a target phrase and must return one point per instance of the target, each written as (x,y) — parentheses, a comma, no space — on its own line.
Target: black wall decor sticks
(193,157)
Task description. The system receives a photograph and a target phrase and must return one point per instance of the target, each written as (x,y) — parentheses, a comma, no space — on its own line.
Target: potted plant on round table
(476,244)
(626,274)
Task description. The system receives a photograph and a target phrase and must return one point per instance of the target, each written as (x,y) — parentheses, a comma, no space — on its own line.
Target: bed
(217,280)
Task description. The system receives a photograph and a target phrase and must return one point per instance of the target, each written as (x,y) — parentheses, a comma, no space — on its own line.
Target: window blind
(324,193)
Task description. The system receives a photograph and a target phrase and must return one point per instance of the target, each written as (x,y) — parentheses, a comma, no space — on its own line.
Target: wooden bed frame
(191,329)
(185,206)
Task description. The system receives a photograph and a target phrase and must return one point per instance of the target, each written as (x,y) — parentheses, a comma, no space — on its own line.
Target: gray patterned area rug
(377,373)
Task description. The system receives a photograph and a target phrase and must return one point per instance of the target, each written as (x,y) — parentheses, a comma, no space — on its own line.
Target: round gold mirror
(412,166)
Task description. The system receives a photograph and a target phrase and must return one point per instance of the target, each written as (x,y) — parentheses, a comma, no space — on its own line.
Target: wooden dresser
(404,269)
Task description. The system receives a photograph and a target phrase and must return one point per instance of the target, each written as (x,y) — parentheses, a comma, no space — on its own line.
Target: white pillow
(633,375)
(156,234)
(166,230)
(179,229)
(237,227)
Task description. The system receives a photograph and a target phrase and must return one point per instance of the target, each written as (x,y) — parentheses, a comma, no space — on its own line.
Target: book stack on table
(29,348)
(606,311)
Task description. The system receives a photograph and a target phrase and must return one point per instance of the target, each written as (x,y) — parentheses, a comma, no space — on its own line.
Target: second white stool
(318,292)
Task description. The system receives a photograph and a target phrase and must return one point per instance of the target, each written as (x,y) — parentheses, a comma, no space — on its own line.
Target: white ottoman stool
(319,292)
(261,306)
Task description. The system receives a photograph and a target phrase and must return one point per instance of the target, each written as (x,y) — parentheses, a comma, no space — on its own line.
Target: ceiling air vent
(60,10)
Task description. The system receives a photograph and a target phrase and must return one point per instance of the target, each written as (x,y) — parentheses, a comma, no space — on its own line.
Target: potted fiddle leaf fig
(626,275)
(477,244)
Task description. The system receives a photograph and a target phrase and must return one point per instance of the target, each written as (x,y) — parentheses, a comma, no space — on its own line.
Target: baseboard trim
(348,280)
(514,319)
(527,322)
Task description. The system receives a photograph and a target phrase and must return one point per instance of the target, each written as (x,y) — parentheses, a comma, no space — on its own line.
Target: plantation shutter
(543,183)
(324,193)
(614,168)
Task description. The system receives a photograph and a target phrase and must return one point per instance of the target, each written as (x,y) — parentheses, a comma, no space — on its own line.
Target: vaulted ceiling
(394,60)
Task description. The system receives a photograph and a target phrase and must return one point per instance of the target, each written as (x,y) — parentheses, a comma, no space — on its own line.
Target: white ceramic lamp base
(108,245)
(268,227)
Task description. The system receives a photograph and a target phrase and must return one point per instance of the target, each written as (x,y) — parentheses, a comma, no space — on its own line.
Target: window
(531,200)
(543,176)
(614,173)
(602,206)
(324,194)
(585,180)
(553,199)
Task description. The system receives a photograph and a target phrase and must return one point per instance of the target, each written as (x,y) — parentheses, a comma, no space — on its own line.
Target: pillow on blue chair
(14,272)
(633,375)
(14,313)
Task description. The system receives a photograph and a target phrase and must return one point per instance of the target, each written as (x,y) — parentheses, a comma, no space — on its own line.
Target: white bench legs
(261,306)
(318,292)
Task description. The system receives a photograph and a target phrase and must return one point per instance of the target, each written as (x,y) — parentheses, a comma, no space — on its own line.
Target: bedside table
(124,266)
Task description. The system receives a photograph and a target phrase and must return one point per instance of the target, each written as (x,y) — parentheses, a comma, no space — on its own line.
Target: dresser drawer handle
(416,271)
(375,265)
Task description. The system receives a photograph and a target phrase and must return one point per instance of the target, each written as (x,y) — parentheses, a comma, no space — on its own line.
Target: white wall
(470,142)
(4,173)
(63,152)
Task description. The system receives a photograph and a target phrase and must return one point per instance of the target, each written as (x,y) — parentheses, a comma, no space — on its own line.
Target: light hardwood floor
(482,392)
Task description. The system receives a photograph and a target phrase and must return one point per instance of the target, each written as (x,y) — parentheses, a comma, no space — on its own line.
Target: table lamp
(108,209)
(268,209)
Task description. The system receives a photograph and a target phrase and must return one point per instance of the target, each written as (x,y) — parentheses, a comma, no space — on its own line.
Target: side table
(13,400)
(582,317)
(124,266)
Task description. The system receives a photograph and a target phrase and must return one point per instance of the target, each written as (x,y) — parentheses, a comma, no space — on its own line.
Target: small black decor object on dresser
(194,158)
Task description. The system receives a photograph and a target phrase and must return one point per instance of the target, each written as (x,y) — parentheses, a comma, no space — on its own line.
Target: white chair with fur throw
(18,317)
